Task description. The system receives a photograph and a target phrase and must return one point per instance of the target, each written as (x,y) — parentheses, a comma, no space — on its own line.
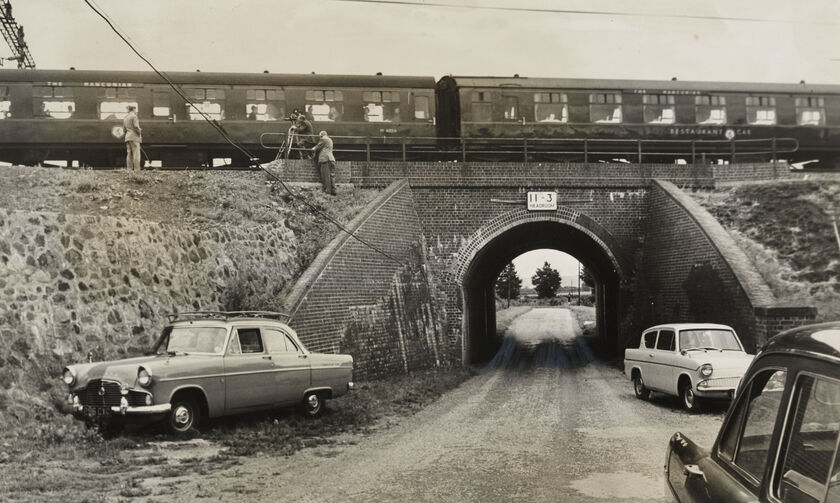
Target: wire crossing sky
(590,12)
(718,40)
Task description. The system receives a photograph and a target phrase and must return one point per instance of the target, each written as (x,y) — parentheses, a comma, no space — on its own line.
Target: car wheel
(642,392)
(689,400)
(313,404)
(183,417)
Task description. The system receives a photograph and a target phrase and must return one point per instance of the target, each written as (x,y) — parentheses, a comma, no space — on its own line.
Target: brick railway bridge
(453,226)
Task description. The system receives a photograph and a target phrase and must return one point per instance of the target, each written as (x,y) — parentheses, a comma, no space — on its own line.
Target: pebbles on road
(540,433)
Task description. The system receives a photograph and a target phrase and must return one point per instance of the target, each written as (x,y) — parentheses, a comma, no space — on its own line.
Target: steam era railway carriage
(75,117)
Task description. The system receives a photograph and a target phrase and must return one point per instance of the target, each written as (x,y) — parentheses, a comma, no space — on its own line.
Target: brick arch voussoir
(514,218)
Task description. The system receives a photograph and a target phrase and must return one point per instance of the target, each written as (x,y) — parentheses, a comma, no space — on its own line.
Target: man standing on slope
(326,162)
(131,125)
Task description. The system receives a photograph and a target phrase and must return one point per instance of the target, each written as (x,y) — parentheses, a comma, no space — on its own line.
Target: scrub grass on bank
(786,230)
(55,458)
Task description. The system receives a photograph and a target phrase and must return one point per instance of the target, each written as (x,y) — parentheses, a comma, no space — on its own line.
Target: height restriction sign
(542,201)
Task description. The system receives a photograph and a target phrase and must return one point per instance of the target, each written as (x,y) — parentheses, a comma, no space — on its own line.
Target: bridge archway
(511,234)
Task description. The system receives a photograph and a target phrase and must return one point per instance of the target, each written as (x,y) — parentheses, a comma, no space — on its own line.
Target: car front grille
(100,393)
(720,382)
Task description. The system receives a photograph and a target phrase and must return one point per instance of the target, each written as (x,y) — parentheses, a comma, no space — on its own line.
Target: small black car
(779,440)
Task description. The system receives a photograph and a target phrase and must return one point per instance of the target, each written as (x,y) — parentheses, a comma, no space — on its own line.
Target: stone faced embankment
(70,284)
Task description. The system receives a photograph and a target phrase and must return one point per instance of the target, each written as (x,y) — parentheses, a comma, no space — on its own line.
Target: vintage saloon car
(693,361)
(779,439)
(209,364)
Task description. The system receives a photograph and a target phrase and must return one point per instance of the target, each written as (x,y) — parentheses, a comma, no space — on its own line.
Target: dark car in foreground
(205,365)
(779,440)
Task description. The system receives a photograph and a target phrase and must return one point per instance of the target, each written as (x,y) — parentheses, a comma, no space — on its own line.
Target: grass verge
(55,458)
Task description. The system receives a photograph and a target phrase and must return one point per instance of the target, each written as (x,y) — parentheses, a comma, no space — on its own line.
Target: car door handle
(693,472)
(650,355)
(301,356)
(266,357)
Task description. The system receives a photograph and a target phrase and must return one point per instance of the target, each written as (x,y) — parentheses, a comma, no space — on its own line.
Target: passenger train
(74,117)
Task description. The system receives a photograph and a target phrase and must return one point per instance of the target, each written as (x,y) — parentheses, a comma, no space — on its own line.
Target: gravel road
(547,422)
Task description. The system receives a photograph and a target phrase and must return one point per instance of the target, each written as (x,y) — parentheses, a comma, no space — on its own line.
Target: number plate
(542,201)
(95,413)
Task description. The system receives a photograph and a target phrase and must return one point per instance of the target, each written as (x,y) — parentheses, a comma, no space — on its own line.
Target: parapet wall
(507,174)
(384,310)
(681,235)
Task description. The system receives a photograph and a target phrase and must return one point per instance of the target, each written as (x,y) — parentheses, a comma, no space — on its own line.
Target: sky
(722,40)
(783,40)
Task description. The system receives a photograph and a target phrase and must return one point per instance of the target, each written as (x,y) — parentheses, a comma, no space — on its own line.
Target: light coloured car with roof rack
(209,364)
(690,360)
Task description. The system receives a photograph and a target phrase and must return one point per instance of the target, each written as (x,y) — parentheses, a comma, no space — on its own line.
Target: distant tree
(508,284)
(546,281)
(586,278)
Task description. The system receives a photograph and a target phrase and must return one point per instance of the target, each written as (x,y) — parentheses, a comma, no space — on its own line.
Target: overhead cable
(221,130)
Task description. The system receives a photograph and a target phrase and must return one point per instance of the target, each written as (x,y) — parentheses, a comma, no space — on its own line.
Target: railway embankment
(786,230)
(91,261)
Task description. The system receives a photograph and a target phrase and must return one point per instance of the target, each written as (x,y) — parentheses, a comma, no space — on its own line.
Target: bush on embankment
(786,229)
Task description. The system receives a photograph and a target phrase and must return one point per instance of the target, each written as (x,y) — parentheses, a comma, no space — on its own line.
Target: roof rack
(226,315)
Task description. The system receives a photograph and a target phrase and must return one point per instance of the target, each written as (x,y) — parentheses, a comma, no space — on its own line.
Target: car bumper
(717,387)
(141,410)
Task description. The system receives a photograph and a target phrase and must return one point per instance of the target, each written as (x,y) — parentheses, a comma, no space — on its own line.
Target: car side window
(278,342)
(666,340)
(811,443)
(249,340)
(650,339)
(746,440)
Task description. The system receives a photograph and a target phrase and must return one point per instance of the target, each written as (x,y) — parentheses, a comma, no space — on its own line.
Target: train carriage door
(511,104)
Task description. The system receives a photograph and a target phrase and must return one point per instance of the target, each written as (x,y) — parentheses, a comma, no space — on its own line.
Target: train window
(511,107)
(761,110)
(214,110)
(206,102)
(605,107)
(810,111)
(262,111)
(56,109)
(109,110)
(710,109)
(265,104)
(325,106)
(421,107)
(551,107)
(659,108)
(160,103)
(5,103)
(53,101)
(482,107)
(381,106)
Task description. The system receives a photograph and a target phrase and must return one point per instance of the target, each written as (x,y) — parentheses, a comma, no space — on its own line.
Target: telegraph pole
(13,33)
(509,271)
(578,282)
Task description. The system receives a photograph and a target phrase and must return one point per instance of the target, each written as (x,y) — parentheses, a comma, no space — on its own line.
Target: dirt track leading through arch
(546,432)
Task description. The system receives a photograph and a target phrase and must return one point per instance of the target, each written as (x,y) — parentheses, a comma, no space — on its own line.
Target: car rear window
(650,339)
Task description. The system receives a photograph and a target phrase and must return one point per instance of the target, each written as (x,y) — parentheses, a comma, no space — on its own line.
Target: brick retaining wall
(355,300)
(681,234)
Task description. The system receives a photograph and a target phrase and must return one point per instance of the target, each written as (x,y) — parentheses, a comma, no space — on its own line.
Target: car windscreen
(196,340)
(709,339)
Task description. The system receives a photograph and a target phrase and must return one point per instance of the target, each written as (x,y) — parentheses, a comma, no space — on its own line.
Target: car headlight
(144,377)
(706,370)
(69,377)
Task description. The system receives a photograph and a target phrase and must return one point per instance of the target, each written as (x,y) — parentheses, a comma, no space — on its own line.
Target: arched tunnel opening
(481,340)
